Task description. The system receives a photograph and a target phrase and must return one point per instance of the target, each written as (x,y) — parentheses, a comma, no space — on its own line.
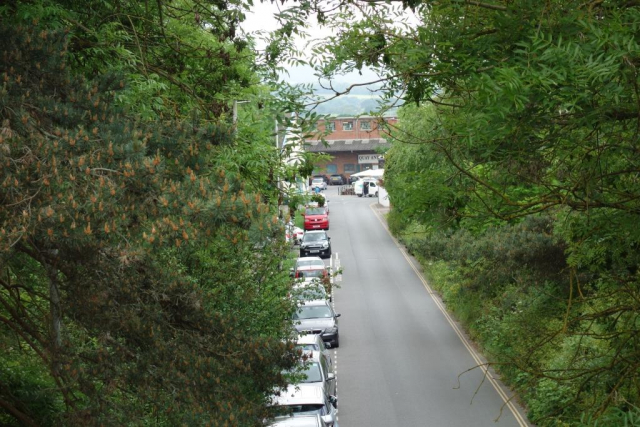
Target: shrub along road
(400,358)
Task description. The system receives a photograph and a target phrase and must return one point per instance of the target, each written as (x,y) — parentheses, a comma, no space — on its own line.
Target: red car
(316,218)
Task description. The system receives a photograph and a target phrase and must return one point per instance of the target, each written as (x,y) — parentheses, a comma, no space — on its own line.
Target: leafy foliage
(130,292)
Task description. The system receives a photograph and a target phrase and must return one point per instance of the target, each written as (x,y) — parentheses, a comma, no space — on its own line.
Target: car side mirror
(328,238)
(337,315)
(331,376)
(334,401)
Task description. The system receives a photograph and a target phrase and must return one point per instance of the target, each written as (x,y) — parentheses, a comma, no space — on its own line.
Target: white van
(366,187)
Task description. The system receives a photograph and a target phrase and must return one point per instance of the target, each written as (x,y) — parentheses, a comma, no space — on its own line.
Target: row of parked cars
(335,179)
(313,402)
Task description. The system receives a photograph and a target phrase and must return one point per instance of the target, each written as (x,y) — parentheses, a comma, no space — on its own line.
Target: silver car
(317,371)
(317,317)
(309,399)
(312,342)
(309,290)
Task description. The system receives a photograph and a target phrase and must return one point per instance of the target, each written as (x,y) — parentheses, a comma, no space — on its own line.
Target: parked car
(311,270)
(317,317)
(315,204)
(367,187)
(299,421)
(318,183)
(337,179)
(293,234)
(315,243)
(353,179)
(316,218)
(325,178)
(308,399)
(313,342)
(317,371)
(310,290)
(308,261)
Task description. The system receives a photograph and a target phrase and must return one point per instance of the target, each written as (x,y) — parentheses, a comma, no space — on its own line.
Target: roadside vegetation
(141,248)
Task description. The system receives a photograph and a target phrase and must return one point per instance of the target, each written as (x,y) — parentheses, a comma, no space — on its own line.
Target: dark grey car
(317,317)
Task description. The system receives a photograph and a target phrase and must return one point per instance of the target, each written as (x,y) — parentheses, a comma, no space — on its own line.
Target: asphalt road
(401,361)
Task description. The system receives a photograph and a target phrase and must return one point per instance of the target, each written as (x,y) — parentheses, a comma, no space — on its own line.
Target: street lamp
(235,111)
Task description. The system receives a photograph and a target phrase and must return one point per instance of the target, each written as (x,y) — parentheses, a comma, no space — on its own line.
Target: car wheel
(376,194)
(337,344)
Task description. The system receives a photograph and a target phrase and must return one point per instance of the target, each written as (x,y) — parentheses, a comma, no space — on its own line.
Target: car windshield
(313,312)
(312,373)
(317,180)
(310,273)
(310,294)
(310,262)
(314,237)
(308,347)
(306,409)
(315,211)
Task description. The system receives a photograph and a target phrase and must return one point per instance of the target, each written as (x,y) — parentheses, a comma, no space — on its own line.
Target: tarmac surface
(402,360)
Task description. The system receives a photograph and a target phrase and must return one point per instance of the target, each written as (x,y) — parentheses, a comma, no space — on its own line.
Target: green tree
(131,291)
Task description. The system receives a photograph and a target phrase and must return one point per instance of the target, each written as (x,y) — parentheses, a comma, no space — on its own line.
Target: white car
(293,234)
(313,342)
(309,399)
(318,183)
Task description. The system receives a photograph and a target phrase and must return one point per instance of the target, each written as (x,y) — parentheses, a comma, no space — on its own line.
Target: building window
(349,168)
(347,125)
(331,169)
(366,125)
(330,126)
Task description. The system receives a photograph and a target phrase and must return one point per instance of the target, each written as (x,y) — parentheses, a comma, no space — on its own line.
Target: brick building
(352,142)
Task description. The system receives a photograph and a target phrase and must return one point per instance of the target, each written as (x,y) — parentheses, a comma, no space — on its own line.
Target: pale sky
(261,18)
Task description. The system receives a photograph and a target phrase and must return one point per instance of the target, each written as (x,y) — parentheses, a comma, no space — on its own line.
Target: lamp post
(235,111)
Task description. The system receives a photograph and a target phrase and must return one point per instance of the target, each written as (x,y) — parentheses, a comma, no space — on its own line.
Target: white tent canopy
(373,173)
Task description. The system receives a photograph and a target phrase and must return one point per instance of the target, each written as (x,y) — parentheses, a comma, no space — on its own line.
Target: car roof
(309,285)
(316,302)
(301,394)
(308,339)
(312,267)
(309,259)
